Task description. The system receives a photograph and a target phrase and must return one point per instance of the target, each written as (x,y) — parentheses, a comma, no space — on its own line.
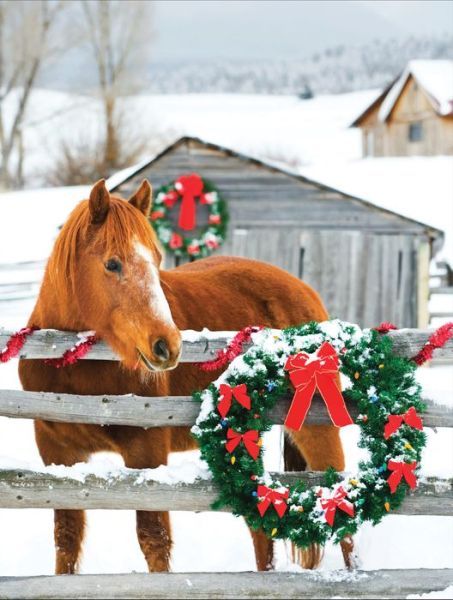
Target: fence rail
(50,343)
(391,583)
(132,489)
(158,411)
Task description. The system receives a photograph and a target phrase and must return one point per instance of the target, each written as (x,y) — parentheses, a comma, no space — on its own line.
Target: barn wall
(259,197)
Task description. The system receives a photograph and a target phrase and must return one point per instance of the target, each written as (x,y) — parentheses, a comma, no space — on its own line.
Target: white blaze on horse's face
(164,338)
(156,298)
(157,301)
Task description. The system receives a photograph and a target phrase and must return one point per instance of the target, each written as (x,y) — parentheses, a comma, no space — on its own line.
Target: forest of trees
(336,70)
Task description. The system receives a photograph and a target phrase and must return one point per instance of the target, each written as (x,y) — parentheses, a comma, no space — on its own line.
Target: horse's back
(236,291)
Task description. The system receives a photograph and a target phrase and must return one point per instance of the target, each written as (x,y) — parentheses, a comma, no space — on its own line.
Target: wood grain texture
(50,343)
(392,584)
(132,490)
(142,411)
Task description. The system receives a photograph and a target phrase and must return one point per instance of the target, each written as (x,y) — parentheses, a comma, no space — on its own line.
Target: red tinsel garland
(438,339)
(71,356)
(15,343)
(233,349)
(224,356)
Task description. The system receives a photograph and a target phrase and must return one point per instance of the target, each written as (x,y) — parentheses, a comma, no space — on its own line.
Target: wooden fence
(20,488)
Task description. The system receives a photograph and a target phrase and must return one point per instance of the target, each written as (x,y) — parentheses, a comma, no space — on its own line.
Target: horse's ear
(99,202)
(142,198)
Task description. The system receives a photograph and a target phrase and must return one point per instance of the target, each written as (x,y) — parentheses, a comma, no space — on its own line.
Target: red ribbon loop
(250,439)
(189,187)
(227,393)
(395,421)
(400,470)
(308,372)
(338,500)
(269,496)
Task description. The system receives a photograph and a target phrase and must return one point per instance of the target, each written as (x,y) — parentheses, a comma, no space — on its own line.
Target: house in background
(368,264)
(413,115)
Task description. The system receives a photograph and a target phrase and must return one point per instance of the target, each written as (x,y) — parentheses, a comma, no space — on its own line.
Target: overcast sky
(251,29)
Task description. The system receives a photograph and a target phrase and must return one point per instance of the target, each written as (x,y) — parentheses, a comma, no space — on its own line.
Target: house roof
(118,179)
(435,77)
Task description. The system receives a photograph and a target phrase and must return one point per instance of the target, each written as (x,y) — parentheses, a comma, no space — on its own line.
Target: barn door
(364,278)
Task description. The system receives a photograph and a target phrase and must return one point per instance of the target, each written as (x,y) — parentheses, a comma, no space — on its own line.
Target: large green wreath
(204,240)
(381,384)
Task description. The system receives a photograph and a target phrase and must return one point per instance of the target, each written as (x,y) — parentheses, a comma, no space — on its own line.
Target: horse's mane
(122,226)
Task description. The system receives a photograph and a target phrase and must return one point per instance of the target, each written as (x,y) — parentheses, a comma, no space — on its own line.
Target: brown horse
(103,275)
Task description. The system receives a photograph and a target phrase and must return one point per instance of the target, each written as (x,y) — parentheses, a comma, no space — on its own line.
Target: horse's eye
(113,265)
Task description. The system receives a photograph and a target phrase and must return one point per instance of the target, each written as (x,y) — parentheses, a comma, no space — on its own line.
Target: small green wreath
(234,414)
(187,238)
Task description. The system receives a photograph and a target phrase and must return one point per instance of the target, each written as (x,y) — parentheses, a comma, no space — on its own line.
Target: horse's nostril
(161,350)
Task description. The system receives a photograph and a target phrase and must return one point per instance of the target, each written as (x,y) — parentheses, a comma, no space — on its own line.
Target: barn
(413,115)
(369,264)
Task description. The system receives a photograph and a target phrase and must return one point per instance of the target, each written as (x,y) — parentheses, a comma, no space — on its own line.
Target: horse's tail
(311,557)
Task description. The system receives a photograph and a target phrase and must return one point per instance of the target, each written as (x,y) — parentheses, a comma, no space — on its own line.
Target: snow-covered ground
(282,127)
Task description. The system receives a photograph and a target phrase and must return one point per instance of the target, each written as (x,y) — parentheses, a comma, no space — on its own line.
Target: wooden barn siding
(282,199)
(350,250)
(357,275)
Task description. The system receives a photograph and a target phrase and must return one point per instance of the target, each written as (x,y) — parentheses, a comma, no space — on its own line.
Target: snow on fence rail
(143,490)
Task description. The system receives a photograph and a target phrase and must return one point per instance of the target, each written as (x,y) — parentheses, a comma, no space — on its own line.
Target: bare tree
(25,27)
(119,36)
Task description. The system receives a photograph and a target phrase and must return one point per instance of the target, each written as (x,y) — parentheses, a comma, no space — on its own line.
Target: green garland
(381,384)
(207,240)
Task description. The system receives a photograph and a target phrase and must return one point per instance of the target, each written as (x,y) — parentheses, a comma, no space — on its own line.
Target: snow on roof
(419,188)
(434,76)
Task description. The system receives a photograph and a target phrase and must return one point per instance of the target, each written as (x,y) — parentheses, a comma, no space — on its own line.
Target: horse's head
(109,257)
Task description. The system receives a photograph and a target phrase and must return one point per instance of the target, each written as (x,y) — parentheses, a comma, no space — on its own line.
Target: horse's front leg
(149,449)
(69,525)
(264,550)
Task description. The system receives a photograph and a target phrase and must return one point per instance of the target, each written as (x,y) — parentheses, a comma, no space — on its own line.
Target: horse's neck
(54,312)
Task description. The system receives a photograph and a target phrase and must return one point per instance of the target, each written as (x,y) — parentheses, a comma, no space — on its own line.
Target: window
(415,132)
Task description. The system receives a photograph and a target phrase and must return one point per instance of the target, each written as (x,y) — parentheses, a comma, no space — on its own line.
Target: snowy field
(313,134)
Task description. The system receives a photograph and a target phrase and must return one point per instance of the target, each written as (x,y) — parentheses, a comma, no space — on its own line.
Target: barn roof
(120,178)
(435,77)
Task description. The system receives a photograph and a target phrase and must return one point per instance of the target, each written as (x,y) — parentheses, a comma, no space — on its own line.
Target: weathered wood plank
(49,343)
(142,411)
(133,489)
(394,583)
(441,290)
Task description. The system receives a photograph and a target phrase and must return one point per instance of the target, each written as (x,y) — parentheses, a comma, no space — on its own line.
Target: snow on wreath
(174,217)
(382,395)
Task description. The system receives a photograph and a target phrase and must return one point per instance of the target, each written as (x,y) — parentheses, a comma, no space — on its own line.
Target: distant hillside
(337,69)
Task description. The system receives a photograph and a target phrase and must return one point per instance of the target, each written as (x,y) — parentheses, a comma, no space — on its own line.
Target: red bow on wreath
(227,393)
(189,187)
(250,439)
(395,421)
(400,470)
(268,495)
(338,500)
(308,372)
